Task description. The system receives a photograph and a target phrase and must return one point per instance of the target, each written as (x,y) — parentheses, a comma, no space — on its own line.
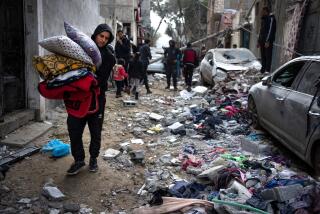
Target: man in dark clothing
(145,56)
(266,39)
(102,36)
(123,50)
(171,55)
(190,60)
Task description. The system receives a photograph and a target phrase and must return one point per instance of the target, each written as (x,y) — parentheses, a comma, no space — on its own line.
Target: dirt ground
(109,189)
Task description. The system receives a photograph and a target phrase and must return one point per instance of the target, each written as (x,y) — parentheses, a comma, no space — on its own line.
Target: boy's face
(102,39)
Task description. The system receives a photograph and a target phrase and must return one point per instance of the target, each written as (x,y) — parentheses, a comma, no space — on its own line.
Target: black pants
(145,78)
(266,57)
(188,73)
(76,127)
(119,85)
(171,72)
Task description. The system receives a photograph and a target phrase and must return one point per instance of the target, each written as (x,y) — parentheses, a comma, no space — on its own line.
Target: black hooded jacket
(107,55)
(268,29)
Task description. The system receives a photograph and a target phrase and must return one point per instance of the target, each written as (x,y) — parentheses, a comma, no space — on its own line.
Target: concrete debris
(53,193)
(110,154)
(137,141)
(157,117)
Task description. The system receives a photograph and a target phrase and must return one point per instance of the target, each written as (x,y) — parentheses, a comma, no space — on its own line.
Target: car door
(272,110)
(300,116)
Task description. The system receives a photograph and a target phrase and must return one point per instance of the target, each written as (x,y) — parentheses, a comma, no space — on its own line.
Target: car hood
(255,65)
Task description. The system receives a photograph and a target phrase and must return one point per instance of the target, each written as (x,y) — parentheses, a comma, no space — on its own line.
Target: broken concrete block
(54,211)
(208,175)
(129,103)
(282,193)
(194,170)
(200,89)
(157,117)
(166,159)
(254,147)
(137,141)
(110,154)
(71,207)
(52,193)
(137,155)
(176,126)
(24,201)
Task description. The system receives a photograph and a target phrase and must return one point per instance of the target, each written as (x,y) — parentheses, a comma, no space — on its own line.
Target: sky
(164,38)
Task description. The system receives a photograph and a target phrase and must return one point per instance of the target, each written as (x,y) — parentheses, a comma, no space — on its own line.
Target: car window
(310,78)
(209,56)
(286,76)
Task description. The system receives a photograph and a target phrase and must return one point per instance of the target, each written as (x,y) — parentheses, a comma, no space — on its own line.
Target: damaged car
(219,62)
(287,105)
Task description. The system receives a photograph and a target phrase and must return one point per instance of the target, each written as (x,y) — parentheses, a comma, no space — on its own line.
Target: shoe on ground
(93,165)
(189,89)
(175,89)
(75,168)
(149,92)
(168,87)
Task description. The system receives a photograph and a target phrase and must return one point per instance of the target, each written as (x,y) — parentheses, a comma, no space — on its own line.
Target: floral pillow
(64,46)
(87,44)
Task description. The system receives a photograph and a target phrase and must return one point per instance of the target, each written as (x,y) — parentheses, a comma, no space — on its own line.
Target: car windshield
(234,56)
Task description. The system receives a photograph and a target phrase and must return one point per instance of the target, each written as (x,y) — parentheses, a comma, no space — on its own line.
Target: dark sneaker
(168,87)
(75,168)
(175,89)
(189,89)
(149,92)
(93,165)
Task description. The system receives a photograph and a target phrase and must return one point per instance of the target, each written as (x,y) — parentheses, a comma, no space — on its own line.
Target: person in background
(266,39)
(171,55)
(190,61)
(119,74)
(102,36)
(145,56)
(203,51)
(136,73)
(123,51)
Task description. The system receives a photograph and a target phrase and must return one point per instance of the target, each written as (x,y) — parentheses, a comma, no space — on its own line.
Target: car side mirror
(211,62)
(266,81)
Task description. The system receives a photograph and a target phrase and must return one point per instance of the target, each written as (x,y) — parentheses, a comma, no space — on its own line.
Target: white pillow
(63,45)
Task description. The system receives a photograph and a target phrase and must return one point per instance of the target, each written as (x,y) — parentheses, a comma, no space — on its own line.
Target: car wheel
(316,161)
(252,108)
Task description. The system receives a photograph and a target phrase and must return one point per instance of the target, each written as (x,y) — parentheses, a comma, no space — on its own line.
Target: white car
(218,62)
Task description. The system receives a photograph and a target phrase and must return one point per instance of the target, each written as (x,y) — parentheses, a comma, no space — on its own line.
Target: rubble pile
(209,152)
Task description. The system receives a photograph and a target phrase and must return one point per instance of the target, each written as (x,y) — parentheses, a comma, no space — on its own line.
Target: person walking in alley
(119,74)
(102,36)
(145,56)
(266,39)
(190,61)
(123,51)
(136,73)
(171,55)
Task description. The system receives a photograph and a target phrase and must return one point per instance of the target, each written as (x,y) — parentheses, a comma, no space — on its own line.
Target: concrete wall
(83,14)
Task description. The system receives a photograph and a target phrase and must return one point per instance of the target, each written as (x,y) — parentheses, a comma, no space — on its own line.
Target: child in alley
(136,73)
(119,74)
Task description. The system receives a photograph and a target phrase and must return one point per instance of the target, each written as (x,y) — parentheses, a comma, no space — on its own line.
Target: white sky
(164,39)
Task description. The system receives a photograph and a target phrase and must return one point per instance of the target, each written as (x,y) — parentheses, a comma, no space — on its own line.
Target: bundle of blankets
(69,73)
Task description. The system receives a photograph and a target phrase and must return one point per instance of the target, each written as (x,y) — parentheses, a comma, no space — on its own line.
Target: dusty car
(218,62)
(287,104)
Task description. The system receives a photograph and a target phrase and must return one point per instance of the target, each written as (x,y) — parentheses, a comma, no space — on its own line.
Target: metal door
(12,81)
